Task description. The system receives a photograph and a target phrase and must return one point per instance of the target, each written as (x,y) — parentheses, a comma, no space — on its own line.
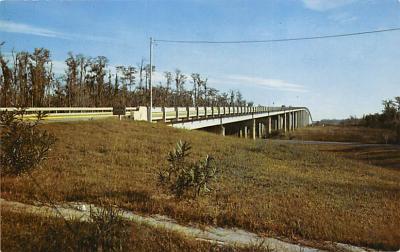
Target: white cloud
(343,18)
(8,26)
(21,28)
(275,84)
(323,5)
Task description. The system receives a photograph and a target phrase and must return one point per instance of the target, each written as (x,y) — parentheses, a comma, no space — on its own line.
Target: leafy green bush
(182,176)
(23,145)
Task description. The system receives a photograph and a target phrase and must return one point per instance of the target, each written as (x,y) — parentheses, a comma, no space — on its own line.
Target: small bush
(23,145)
(109,230)
(182,176)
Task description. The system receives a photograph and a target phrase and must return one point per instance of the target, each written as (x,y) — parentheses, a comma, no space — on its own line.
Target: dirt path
(234,237)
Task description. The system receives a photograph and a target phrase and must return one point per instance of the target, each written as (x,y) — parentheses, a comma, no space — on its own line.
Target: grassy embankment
(343,134)
(27,232)
(295,192)
(380,155)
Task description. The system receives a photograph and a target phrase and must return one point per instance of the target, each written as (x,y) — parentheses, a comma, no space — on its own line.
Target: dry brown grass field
(380,155)
(26,232)
(343,134)
(290,191)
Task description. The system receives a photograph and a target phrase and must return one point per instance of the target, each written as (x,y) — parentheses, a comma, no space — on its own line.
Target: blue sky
(335,78)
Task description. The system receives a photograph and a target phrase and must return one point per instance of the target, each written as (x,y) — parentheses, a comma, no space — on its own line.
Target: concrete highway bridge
(245,122)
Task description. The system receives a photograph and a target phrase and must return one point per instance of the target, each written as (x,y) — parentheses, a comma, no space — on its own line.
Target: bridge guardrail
(166,114)
(60,113)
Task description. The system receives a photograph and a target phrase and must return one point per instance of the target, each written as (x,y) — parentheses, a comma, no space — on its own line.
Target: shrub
(109,230)
(23,144)
(182,176)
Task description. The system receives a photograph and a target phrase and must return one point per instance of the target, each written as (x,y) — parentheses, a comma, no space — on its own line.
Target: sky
(334,78)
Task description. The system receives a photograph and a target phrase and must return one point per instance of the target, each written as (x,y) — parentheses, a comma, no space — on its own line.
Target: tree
(40,75)
(27,79)
(24,145)
(180,79)
(6,80)
(72,78)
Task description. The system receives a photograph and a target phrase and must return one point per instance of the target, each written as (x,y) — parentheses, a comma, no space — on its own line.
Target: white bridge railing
(166,114)
(61,113)
(171,114)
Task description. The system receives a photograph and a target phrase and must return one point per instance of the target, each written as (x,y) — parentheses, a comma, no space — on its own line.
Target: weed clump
(104,230)
(23,144)
(109,231)
(182,176)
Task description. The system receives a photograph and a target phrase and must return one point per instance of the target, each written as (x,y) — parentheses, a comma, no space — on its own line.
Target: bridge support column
(260,130)
(298,119)
(289,121)
(240,133)
(305,119)
(254,129)
(294,120)
(269,125)
(285,121)
(222,130)
(279,122)
(245,132)
(302,122)
(301,117)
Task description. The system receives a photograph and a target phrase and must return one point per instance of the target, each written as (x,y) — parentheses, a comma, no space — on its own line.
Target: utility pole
(150,82)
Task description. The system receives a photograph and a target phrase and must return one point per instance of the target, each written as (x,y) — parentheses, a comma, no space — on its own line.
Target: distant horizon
(334,78)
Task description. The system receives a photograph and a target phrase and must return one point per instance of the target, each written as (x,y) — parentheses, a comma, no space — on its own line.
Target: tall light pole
(150,82)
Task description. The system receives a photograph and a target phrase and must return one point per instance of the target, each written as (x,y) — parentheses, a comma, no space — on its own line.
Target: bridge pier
(293,121)
(301,119)
(279,122)
(254,128)
(284,122)
(269,125)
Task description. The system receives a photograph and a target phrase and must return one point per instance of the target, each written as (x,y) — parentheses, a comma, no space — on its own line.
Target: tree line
(28,80)
(389,118)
